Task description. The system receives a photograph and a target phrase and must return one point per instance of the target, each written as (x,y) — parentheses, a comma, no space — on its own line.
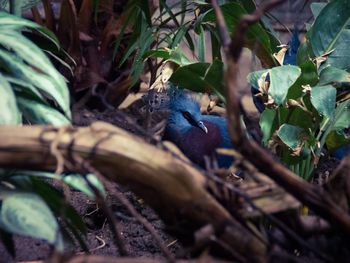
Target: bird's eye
(187,115)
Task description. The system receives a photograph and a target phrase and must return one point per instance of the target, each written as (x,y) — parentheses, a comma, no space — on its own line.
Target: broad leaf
(37,113)
(253,78)
(342,113)
(27,214)
(266,124)
(202,77)
(281,79)
(41,81)
(291,135)
(329,33)
(316,8)
(323,99)
(174,55)
(308,76)
(332,75)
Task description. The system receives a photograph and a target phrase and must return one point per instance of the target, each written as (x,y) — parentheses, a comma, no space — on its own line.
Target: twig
(113,223)
(314,197)
(116,193)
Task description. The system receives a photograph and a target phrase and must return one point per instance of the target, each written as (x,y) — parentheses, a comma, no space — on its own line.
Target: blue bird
(195,134)
(341,152)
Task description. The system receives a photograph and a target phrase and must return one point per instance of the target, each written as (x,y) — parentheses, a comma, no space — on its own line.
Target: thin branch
(113,223)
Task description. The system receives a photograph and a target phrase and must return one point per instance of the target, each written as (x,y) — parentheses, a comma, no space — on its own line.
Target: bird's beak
(201,125)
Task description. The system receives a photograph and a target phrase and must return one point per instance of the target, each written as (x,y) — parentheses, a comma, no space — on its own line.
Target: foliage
(304,102)
(34,92)
(156,37)
(311,107)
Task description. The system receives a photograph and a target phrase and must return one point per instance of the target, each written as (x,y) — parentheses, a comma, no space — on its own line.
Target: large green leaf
(76,181)
(174,55)
(309,76)
(266,124)
(332,75)
(9,113)
(51,82)
(316,8)
(329,33)
(323,99)
(11,21)
(342,113)
(38,113)
(27,214)
(191,76)
(41,81)
(291,135)
(202,77)
(281,79)
(253,78)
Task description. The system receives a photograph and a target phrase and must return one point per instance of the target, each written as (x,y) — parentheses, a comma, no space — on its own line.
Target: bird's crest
(173,98)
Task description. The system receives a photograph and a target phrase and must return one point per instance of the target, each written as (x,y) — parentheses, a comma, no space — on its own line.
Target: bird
(197,135)
(341,152)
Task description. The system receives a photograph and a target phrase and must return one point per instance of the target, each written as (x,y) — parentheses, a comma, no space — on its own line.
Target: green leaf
(175,55)
(323,99)
(33,55)
(10,21)
(201,46)
(340,57)
(304,53)
(309,76)
(22,88)
(214,76)
(342,113)
(56,201)
(9,113)
(38,113)
(191,76)
(253,78)
(316,8)
(43,82)
(333,75)
(329,33)
(27,214)
(281,79)
(291,135)
(266,124)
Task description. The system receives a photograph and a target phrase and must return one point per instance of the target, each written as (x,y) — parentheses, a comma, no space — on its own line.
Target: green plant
(308,104)
(33,91)
(156,37)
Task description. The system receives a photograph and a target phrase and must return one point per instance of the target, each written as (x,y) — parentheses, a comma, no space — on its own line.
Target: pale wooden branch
(313,196)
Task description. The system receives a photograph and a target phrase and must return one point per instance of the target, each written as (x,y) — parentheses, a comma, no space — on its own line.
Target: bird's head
(185,112)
